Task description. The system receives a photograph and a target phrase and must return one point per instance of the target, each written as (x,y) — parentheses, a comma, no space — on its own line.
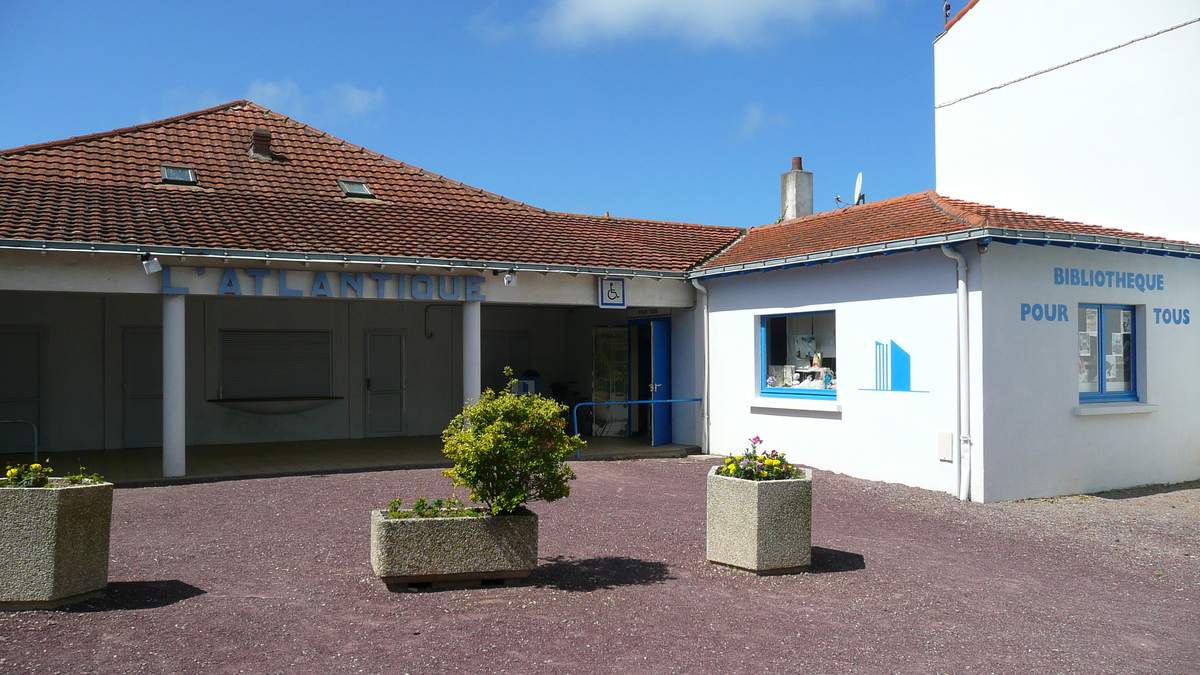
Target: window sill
(1118,408)
(274,406)
(796,403)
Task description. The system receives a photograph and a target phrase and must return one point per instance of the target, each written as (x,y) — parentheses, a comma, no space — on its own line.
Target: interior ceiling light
(355,188)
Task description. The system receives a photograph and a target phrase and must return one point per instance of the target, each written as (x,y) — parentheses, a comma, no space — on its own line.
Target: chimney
(797,193)
(260,144)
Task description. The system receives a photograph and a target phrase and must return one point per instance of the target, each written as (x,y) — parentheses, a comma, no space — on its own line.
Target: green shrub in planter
(510,449)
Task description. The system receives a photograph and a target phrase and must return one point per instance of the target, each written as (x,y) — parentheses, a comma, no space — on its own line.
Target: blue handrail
(577,406)
(31,426)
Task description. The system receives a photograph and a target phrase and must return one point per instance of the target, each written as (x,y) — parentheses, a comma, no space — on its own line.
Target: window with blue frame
(1107,353)
(799,355)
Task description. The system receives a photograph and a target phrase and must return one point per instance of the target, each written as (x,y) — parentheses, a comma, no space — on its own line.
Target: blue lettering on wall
(422,287)
(346,284)
(455,288)
(475,288)
(321,286)
(229,284)
(1071,276)
(1044,312)
(258,275)
(1179,317)
(351,281)
(380,281)
(284,290)
(167,288)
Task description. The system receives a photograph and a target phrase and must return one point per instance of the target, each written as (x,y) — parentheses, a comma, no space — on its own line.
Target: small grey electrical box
(945,446)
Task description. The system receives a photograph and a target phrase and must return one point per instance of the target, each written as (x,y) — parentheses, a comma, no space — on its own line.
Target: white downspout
(962,458)
(703,300)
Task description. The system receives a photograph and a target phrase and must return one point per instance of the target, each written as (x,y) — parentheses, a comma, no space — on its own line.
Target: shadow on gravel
(825,560)
(1147,490)
(136,595)
(593,574)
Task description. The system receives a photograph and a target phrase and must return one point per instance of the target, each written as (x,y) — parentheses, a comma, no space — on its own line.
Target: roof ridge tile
(125,130)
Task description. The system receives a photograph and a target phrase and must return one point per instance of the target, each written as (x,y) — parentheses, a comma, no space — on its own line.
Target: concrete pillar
(796,198)
(174,390)
(472,366)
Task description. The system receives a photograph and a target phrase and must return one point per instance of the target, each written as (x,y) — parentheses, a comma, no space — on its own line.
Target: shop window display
(1107,367)
(799,355)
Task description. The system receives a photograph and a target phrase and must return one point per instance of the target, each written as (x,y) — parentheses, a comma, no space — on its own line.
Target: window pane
(800,351)
(1118,352)
(1089,320)
(275,364)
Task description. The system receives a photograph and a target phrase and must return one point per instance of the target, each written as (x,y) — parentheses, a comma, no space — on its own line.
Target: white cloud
(706,22)
(755,117)
(349,99)
(340,100)
(492,29)
(283,96)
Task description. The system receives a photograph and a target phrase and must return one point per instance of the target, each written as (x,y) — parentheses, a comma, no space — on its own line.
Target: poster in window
(1085,344)
(1126,322)
(1118,343)
(1093,318)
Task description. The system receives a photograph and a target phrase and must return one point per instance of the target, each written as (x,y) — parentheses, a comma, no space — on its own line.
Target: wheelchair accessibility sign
(612,293)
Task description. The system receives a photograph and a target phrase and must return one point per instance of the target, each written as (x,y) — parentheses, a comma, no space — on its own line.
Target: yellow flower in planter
(12,473)
(35,467)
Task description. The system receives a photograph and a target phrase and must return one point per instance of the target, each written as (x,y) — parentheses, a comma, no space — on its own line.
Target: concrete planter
(761,526)
(53,544)
(413,550)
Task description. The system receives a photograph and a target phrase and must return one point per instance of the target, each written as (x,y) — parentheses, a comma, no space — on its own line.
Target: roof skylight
(175,174)
(355,188)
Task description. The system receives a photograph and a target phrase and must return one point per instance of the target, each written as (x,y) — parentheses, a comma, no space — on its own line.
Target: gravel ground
(272,576)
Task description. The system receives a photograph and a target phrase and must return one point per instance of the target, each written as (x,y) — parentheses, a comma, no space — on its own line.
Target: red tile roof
(961,13)
(106,188)
(893,220)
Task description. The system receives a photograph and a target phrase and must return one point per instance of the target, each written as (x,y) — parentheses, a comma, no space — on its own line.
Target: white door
(20,389)
(141,387)
(384,384)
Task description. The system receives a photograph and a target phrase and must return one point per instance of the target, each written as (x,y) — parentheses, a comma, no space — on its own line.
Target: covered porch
(140,467)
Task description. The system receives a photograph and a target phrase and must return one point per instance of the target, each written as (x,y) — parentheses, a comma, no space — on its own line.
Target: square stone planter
(414,550)
(761,526)
(53,543)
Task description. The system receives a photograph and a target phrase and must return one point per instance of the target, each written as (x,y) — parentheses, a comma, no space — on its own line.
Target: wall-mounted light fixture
(151,265)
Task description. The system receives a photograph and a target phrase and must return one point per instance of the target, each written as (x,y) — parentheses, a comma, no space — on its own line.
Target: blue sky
(683,110)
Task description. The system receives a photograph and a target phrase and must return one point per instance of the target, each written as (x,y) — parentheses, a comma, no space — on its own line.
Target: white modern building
(1080,109)
(234,276)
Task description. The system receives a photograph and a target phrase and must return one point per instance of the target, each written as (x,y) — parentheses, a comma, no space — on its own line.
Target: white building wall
(1109,140)
(1037,445)
(881,435)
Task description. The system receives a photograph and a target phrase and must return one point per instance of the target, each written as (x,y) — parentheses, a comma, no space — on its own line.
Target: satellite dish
(858,198)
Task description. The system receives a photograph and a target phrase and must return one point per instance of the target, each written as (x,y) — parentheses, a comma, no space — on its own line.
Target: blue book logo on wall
(893,369)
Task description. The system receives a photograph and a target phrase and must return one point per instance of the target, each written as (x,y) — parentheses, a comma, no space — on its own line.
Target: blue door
(660,368)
